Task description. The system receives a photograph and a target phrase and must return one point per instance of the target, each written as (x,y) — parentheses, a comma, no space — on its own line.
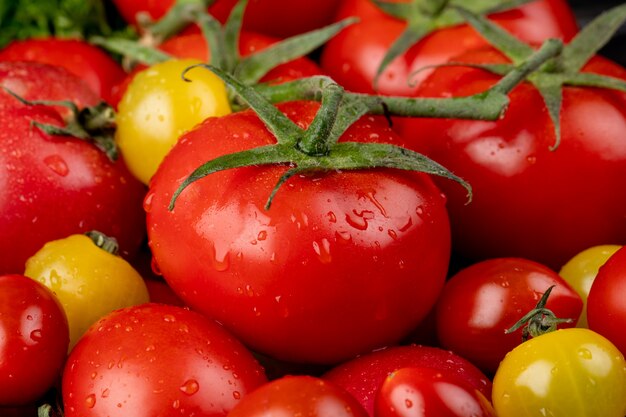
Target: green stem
(314,142)
(179,16)
(104,242)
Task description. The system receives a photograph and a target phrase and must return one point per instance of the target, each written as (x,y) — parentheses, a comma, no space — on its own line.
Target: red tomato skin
(427,392)
(299,395)
(148,359)
(363,376)
(353,56)
(91,64)
(529,201)
(54,186)
(606,311)
(369,248)
(481,301)
(34,340)
(261,15)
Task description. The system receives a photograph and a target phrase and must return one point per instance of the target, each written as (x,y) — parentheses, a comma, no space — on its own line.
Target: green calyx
(565,68)
(104,242)
(92,124)
(424,17)
(222,41)
(318,148)
(539,320)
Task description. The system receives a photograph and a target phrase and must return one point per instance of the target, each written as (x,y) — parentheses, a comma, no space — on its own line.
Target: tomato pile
(331,208)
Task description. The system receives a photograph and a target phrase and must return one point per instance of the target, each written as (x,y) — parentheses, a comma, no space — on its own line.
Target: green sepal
(91,124)
(139,52)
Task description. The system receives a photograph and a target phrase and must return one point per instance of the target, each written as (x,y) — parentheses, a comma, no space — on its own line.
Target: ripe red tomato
(342,263)
(427,392)
(54,186)
(34,337)
(156,359)
(606,310)
(261,16)
(529,201)
(363,376)
(352,57)
(91,64)
(298,396)
(483,300)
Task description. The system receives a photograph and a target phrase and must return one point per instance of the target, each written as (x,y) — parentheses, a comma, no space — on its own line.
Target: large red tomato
(155,360)
(54,186)
(530,201)
(352,57)
(94,66)
(281,18)
(341,263)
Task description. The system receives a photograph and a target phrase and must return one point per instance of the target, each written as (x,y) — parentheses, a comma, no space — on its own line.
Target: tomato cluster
(180,239)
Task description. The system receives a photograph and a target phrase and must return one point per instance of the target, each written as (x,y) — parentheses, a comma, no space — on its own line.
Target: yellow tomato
(89,281)
(581,270)
(159,106)
(567,373)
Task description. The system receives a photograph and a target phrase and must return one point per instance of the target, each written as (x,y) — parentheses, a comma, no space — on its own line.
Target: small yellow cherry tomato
(159,106)
(88,280)
(581,270)
(566,373)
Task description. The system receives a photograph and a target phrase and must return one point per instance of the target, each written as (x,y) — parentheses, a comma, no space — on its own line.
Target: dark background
(588,9)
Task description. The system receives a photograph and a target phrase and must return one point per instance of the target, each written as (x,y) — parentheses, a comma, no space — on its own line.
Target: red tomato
(342,263)
(363,376)
(529,201)
(54,186)
(146,360)
(427,392)
(261,15)
(606,310)
(352,57)
(483,300)
(34,337)
(94,66)
(302,395)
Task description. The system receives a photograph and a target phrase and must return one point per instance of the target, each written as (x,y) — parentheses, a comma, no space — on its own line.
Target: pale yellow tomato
(89,281)
(581,270)
(158,106)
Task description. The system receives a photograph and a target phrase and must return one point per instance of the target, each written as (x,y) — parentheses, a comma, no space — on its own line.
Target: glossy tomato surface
(155,359)
(54,186)
(530,201)
(352,57)
(428,392)
(480,302)
(566,373)
(364,375)
(299,395)
(91,64)
(606,310)
(341,263)
(34,337)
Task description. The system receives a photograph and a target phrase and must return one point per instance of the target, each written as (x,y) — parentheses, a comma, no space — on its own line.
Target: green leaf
(588,79)
(592,38)
(131,49)
(551,90)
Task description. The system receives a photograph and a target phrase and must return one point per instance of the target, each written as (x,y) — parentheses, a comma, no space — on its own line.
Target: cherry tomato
(364,375)
(566,373)
(159,106)
(528,199)
(34,337)
(352,57)
(606,310)
(369,248)
(54,186)
(91,64)
(581,270)
(301,395)
(156,359)
(480,302)
(88,280)
(427,392)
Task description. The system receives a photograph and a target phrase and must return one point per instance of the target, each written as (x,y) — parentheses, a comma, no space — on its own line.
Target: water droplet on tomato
(190,387)
(169,318)
(343,236)
(323,251)
(262,235)
(585,353)
(392,234)
(57,164)
(176,404)
(359,220)
(147,202)
(408,403)
(236,395)
(155,267)
(36,335)
(331,217)
(105,393)
(150,348)
(90,401)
